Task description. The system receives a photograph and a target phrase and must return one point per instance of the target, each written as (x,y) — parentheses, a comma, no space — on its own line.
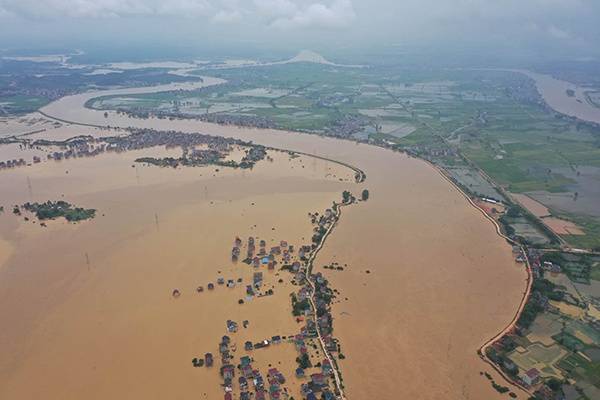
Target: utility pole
(29,188)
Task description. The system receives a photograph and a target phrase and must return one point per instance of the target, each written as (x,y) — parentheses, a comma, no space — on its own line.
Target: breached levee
(428,279)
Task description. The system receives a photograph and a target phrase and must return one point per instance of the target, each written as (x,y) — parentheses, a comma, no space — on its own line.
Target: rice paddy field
(544,327)
(541,357)
(14,105)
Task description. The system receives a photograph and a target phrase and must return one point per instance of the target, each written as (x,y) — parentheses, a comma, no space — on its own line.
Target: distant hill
(309,56)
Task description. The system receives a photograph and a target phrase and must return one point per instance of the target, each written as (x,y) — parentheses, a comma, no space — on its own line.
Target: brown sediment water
(6,250)
(440,281)
(88,307)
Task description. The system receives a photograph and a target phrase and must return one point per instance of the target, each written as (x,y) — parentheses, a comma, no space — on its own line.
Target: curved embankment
(440,278)
(511,326)
(309,269)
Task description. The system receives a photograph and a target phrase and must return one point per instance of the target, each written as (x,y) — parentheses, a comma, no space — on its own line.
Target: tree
(365,195)
(303,361)
(554,384)
(346,196)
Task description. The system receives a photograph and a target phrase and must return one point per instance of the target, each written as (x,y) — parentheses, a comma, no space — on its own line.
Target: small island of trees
(56,209)
(365,195)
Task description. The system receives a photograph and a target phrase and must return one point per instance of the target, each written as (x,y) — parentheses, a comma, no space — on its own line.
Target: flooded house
(243,382)
(258,380)
(299,278)
(245,360)
(235,253)
(247,371)
(303,293)
(257,279)
(232,326)
(260,345)
(228,371)
(287,257)
(330,343)
(275,250)
(326,368)
(318,380)
(208,359)
(327,395)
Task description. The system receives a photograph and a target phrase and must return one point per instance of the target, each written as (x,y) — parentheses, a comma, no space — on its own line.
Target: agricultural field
(562,341)
(20,104)
(541,357)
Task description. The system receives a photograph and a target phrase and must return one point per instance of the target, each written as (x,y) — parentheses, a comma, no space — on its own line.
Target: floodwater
(554,92)
(87,308)
(440,281)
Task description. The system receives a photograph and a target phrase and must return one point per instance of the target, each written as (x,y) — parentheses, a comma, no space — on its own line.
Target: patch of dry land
(427,280)
(558,226)
(536,208)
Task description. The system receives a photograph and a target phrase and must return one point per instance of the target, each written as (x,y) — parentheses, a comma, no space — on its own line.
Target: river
(427,281)
(554,93)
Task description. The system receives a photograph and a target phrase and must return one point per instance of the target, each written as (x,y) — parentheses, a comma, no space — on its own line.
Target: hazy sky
(559,23)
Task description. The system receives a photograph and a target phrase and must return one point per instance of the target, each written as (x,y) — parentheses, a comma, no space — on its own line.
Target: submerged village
(197,149)
(317,374)
(317,371)
(549,350)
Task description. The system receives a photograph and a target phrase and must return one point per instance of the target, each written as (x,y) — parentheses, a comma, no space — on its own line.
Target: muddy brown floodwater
(440,282)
